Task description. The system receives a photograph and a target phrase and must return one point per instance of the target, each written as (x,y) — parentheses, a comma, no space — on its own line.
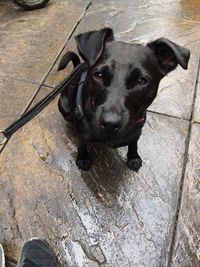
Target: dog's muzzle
(110,122)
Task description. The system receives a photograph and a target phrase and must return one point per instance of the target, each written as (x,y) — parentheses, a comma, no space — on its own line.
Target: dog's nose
(110,122)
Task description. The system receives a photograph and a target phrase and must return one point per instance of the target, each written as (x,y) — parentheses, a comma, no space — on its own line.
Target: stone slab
(29,44)
(31,41)
(185,10)
(187,246)
(109,216)
(176,91)
(14,95)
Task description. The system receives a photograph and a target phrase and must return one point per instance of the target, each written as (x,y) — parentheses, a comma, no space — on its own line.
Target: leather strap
(79,102)
(74,76)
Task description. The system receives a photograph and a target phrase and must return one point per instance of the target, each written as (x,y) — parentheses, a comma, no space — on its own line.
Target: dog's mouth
(122,133)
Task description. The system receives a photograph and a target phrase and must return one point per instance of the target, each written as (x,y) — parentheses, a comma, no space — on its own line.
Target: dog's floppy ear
(91,44)
(169,54)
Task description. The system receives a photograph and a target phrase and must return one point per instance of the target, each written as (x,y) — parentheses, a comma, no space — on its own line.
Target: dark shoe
(2,256)
(37,253)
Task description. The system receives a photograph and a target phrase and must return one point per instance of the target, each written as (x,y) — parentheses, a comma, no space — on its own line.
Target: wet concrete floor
(109,216)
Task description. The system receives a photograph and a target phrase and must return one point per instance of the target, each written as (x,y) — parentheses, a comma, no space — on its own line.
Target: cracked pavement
(109,216)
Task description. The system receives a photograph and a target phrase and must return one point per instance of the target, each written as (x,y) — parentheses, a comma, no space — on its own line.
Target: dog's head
(123,78)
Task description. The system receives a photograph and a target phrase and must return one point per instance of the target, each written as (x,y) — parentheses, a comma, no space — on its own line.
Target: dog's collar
(141,120)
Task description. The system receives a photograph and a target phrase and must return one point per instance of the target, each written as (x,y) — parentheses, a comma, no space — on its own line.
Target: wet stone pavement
(109,216)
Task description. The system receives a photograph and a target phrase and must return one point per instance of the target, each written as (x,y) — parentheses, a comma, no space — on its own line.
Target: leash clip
(3,139)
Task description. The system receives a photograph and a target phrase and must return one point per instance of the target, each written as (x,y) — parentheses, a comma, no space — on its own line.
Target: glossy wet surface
(109,216)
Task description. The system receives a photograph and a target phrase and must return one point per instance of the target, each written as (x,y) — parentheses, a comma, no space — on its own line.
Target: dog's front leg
(134,162)
(83,161)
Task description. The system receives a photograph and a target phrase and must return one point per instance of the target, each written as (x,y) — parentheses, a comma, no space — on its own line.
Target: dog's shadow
(106,174)
(108,171)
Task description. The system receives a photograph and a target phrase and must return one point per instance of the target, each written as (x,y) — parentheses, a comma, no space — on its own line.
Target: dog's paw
(134,164)
(84,164)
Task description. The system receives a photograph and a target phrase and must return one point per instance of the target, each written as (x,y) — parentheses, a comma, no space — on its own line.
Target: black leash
(79,73)
(79,102)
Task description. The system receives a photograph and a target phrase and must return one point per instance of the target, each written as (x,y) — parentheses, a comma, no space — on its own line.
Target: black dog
(123,81)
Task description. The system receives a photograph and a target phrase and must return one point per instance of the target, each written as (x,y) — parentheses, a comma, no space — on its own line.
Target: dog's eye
(98,75)
(142,81)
